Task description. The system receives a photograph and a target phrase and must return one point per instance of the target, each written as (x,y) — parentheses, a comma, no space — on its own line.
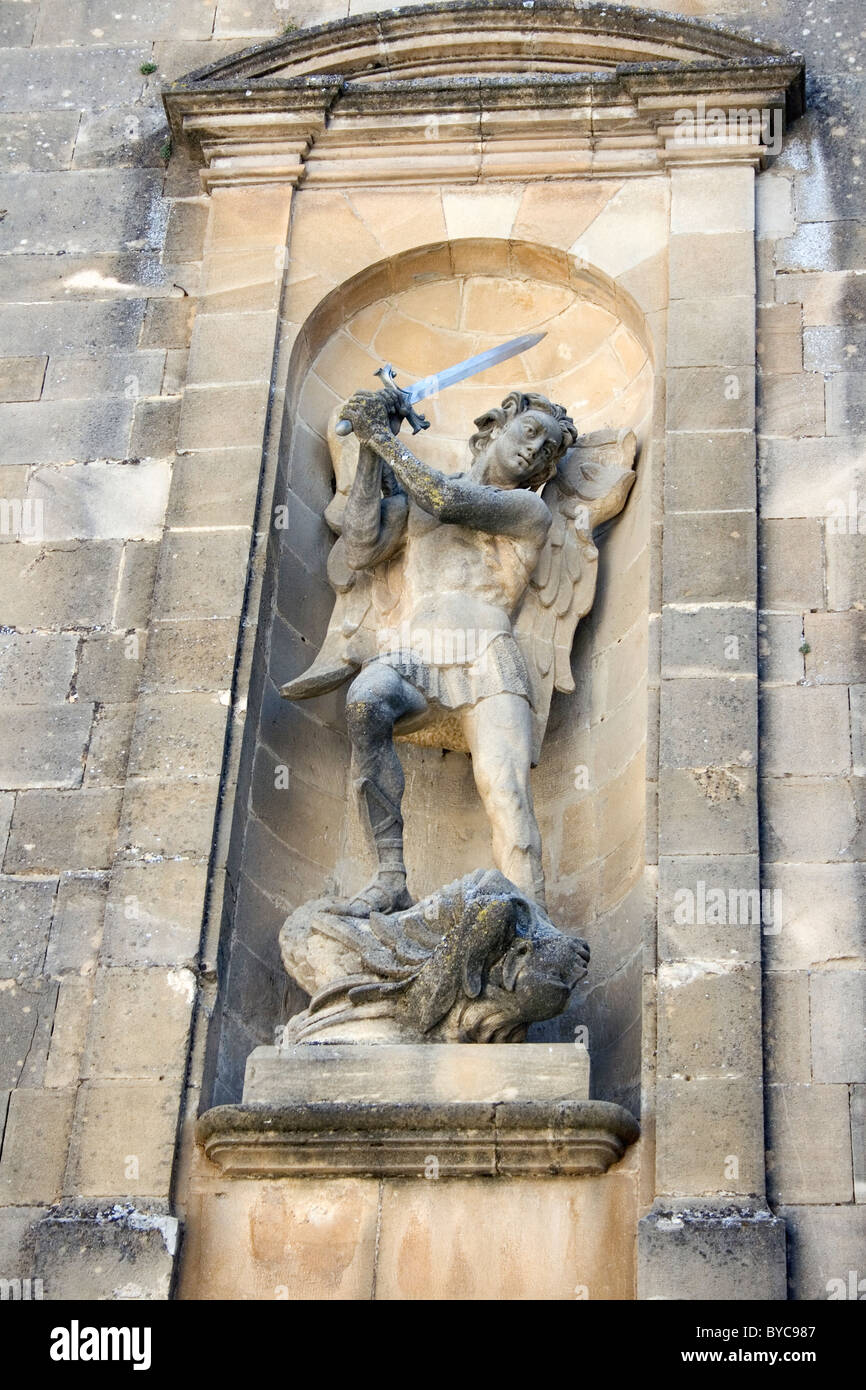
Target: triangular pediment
(461,39)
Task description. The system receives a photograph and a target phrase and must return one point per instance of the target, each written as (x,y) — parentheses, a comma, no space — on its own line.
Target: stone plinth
(495,1110)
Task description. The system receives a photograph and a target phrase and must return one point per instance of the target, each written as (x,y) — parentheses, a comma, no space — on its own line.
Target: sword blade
(430,385)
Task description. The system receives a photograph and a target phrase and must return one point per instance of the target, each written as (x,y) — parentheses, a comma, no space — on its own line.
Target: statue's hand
(368,413)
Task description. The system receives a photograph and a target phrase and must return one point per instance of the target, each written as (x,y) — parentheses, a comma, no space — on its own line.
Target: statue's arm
(372,524)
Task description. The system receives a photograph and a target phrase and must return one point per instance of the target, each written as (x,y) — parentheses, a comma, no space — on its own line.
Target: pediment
(476,40)
(468,91)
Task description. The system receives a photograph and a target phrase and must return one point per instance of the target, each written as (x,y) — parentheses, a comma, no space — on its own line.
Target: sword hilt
(404,409)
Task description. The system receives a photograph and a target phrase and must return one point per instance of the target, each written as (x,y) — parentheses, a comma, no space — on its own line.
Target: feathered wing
(364,599)
(590,486)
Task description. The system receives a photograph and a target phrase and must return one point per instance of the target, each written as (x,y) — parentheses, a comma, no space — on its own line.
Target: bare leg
(376,699)
(499,734)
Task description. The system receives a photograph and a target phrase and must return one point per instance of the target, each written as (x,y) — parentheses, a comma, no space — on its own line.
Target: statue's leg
(499,734)
(376,699)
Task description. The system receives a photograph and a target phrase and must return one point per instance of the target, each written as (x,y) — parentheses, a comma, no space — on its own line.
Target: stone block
(70,326)
(202,574)
(708,557)
(808,819)
(108,752)
(185,230)
(790,565)
(21,378)
(822,914)
(774,206)
(698,1252)
(168,322)
(787,1052)
(36,667)
(857,698)
(709,472)
(791,406)
(34,1146)
(120,1252)
(780,340)
(135,585)
(838,647)
(823,246)
(58,830)
(243,219)
(858,1138)
(709,332)
(705,200)
(154,428)
(780,637)
(846,404)
(70,78)
(161,818)
(196,654)
(710,916)
(37,141)
(44,745)
(838,999)
(123,1139)
(709,1018)
(710,1136)
(16,1257)
(804,731)
(222,417)
(217,488)
(66,431)
(26,1007)
(710,398)
(800,1171)
(707,722)
(121,137)
(724,259)
(81,22)
(825,1251)
(834,349)
(109,668)
(846,557)
(708,807)
(154,914)
(232,348)
(59,586)
(76,930)
(139,1028)
(809,478)
(828,297)
(129,374)
(68,1033)
(79,211)
(102,500)
(703,641)
(178,736)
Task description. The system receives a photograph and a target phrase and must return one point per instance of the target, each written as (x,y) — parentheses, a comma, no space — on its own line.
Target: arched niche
(299,824)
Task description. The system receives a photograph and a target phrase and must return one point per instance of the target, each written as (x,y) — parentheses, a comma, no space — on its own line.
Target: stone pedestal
(402,1111)
(714,1250)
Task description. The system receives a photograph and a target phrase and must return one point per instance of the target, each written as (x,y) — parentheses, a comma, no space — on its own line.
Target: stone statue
(457,601)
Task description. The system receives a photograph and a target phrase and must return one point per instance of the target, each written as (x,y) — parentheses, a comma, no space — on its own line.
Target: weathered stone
(780,639)
(838,999)
(202,575)
(156,819)
(140,1024)
(834,349)
(72,327)
(697,260)
(56,830)
(710,916)
(54,77)
(700,641)
(168,322)
(123,1138)
(809,478)
(36,667)
(44,745)
(838,647)
(780,339)
(81,211)
(37,141)
(710,398)
(825,1246)
(709,472)
(121,137)
(118,1252)
(704,1124)
(711,805)
(76,929)
(791,406)
(708,332)
(129,374)
(699,1250)
(809,819)
(195,654)
(790,565)
(821,914)
(709,1018)
(21,378)
(59,586)
(154,911)
(222,417)
(179,735)
(823,1174)
(101,499)
(108,752)
(708,722)
(805,731)
(34,1146)
(788,1056)
(68,1033)
(214,489)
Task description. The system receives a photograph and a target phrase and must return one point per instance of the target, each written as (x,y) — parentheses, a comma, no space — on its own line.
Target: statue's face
(525,452)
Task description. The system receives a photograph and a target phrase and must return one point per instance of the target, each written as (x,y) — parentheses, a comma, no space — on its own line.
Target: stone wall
(115,638)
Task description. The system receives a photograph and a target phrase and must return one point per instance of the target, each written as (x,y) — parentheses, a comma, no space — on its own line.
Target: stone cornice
(266,115)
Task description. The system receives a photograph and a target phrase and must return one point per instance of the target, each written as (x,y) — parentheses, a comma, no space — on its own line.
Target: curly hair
(492,422)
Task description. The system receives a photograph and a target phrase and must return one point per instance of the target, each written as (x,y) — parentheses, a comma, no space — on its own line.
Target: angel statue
(457,601)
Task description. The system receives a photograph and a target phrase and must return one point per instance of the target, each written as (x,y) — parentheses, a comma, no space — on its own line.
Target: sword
(439,381)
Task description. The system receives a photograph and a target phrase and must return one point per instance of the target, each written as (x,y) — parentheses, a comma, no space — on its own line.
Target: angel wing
(590,486)
(364,599)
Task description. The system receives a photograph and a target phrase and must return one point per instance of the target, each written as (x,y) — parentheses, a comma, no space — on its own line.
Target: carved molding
(463,93)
